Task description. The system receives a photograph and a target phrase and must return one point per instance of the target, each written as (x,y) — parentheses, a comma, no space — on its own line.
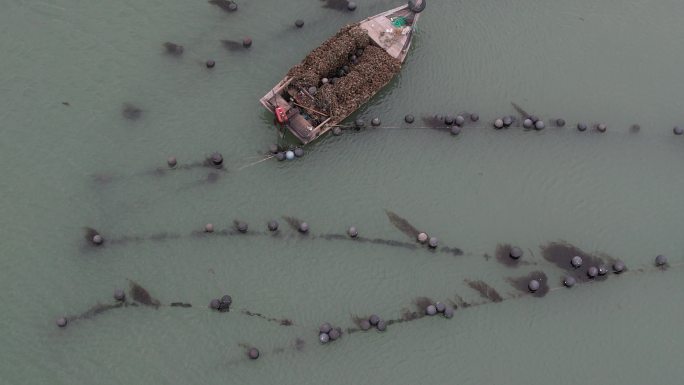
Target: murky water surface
(71,158)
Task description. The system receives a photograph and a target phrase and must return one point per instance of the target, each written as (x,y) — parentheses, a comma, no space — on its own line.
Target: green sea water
(71,160)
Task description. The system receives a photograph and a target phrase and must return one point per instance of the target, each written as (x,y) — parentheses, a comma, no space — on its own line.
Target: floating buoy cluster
(222,305)
(439,307)
(372,321)
(328,333)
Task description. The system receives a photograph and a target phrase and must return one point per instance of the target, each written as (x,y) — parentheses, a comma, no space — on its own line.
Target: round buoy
(312,90)
(247,42)
(440,307)
(603,270)
(335,334)
(433,242)
(507,121)
(215,304)
(569,281)
(431,310)
(498,123)
(373,319)
(119,295)
(351,6)
(515,252)
(324,338)
(449,312)
(661,260)
(422,237)
(232,6)
(592,272)
(528,123)
(97,239)
(581,127)
(409,118)
(226,300)
(459,120)
(299,152)
(209,228)
(299,23)
(678,130)
(533,285)
(534,118)
(325,80)
(364,324)
(375,122)
(337,131)
(382,325)
(455,130)
(539,125)
(273,148)
(448,120)
(242,227)
(171,161)
(360,123)
(289,155)
(618,267)
(474,117)
(560,122)
(353,232)
(62,322)
(216,159)
(325,328)
(253,353)
(576,261)
(210,63)
(272,226)
(303,227)
(601,127)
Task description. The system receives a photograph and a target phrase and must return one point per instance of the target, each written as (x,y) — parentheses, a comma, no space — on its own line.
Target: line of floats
(577,266)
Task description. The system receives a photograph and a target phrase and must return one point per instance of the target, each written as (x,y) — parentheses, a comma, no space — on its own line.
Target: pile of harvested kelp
(366,74)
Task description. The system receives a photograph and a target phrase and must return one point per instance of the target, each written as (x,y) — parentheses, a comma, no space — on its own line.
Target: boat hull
(392,31)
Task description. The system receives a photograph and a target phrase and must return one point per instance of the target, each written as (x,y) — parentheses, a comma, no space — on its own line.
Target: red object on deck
(280,114)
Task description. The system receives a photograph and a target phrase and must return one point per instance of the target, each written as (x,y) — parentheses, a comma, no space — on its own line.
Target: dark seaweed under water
(96,103)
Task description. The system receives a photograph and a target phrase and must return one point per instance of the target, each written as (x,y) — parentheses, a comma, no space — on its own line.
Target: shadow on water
(173,49)
(232,45)
(340,5)
(403,225)
(435,122)
(503,256)
(225,5)
(560,253)
(141,295)
(293,222)
(521,283)
(485,290)
(131,112)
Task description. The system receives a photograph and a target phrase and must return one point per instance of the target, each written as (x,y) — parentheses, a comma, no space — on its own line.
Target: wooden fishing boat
(297,108)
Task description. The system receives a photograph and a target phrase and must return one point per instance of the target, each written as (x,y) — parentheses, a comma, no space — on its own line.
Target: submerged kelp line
(446,123)
(240,228)
(141,297)
(558,254)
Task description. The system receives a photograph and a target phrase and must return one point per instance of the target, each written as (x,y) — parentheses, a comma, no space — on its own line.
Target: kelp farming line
(439,122)
(560,255)
(94,239)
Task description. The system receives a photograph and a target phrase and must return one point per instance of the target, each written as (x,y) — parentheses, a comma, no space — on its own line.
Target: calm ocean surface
(71,160)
